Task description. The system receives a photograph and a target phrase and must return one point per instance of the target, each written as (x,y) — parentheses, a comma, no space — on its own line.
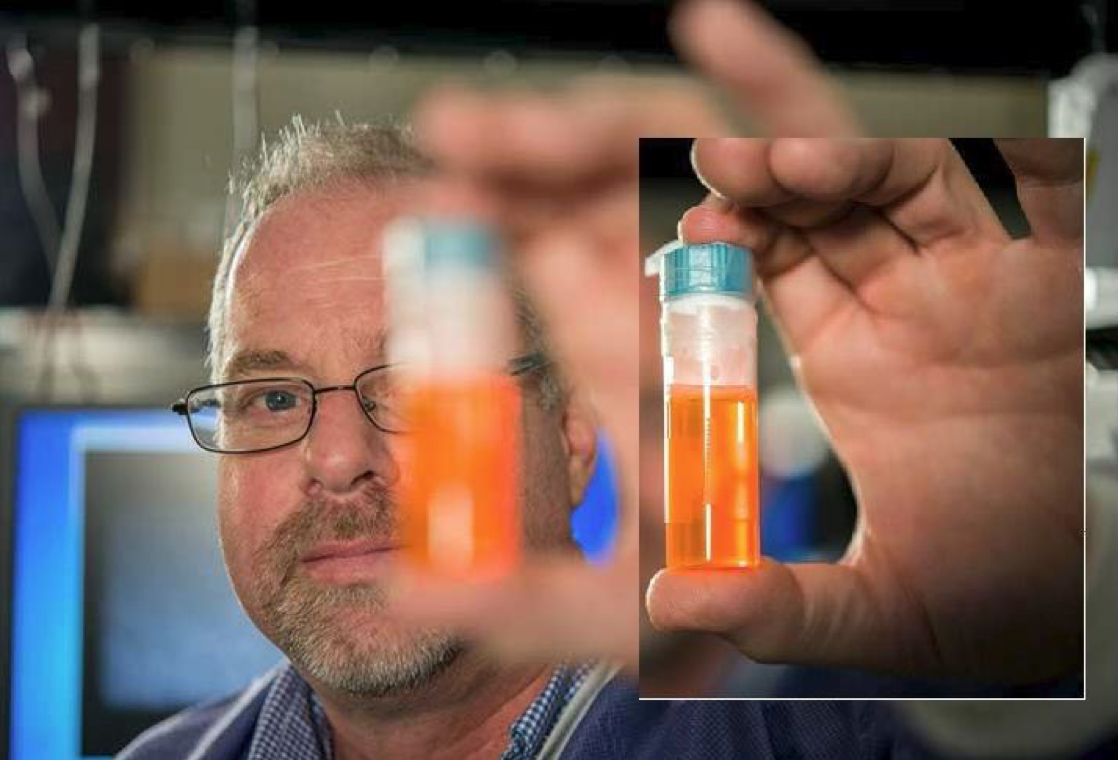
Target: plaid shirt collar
(293,725)
(529,732)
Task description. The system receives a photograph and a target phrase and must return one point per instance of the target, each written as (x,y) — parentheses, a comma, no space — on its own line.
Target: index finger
(921,186)
(769,71)
(540,141)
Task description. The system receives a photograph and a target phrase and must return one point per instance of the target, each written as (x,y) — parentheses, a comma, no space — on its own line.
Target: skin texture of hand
(945,361)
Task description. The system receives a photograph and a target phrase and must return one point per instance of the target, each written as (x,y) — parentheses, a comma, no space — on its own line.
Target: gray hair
(326,155)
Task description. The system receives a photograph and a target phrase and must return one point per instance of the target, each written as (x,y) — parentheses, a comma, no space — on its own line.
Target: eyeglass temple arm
(179,407)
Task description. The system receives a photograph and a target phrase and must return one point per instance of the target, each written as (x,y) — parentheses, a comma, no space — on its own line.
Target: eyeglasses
(250,416)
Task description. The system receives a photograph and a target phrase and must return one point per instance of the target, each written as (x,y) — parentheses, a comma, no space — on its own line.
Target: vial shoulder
(695,302)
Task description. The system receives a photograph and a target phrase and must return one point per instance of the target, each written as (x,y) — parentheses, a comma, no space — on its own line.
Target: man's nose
(343,451)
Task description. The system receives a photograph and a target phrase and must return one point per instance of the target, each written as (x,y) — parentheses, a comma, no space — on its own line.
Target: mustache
(371,514)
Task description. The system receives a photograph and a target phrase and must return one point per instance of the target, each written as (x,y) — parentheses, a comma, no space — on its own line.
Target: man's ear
(580,444)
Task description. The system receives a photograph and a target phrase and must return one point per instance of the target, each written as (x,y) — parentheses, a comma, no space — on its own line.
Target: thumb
(1049,176)
(809,614)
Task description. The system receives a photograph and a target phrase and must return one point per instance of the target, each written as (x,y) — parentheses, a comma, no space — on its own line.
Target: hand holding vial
(559,177)
(945,360)
(562,174)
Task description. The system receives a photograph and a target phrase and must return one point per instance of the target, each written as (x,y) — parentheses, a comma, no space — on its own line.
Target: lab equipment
(452,332)
(709,347)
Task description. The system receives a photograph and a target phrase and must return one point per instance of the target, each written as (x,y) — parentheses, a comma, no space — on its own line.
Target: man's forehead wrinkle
(313,264)
(367,343)
(261,284)
(318,210)
(292,258)
(314,231)
(325,302)
(312,284)
(312,260)
(351,276)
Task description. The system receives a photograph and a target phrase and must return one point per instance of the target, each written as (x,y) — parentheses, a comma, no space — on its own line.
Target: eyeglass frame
(517,366)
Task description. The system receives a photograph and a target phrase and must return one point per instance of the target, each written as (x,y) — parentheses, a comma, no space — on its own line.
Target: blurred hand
(559,175)
(945,360)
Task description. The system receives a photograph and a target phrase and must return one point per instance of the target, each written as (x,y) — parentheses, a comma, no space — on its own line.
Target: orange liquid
(712,515)
(459,487)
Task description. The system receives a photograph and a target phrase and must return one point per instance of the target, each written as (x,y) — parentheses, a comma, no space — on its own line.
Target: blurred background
(119,124)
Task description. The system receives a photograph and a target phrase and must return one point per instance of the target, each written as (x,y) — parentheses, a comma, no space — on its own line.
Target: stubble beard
(339,634)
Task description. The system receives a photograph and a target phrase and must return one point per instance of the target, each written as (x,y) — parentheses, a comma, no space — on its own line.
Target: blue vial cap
(458,243)
(705,268)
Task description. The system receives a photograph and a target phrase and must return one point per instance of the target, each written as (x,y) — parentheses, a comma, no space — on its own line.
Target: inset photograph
(862,370)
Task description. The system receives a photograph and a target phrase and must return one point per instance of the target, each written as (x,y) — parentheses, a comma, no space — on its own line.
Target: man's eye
(275,400)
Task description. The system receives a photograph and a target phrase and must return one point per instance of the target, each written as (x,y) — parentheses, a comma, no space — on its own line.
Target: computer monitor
(120,610)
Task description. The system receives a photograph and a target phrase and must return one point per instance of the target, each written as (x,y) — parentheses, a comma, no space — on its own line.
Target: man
(308,526)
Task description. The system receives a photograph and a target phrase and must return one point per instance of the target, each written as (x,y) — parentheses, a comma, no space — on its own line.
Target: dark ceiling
(955,35)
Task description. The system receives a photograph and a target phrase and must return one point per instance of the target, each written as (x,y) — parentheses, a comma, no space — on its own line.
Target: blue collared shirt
(613,724)
(292,724)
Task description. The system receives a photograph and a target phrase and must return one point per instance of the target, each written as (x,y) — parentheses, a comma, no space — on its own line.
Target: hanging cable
(1095,14)
(89,73)
(246,100)
(31,104)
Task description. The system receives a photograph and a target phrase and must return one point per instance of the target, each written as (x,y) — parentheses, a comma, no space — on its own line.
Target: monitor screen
(121,611)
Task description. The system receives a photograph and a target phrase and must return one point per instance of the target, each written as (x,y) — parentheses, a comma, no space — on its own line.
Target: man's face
(306,299)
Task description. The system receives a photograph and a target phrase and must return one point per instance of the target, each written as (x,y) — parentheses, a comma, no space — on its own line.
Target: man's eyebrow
(249,360)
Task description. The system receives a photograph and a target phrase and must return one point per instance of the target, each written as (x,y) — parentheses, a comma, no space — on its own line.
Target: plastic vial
(451,333)
(709,346)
